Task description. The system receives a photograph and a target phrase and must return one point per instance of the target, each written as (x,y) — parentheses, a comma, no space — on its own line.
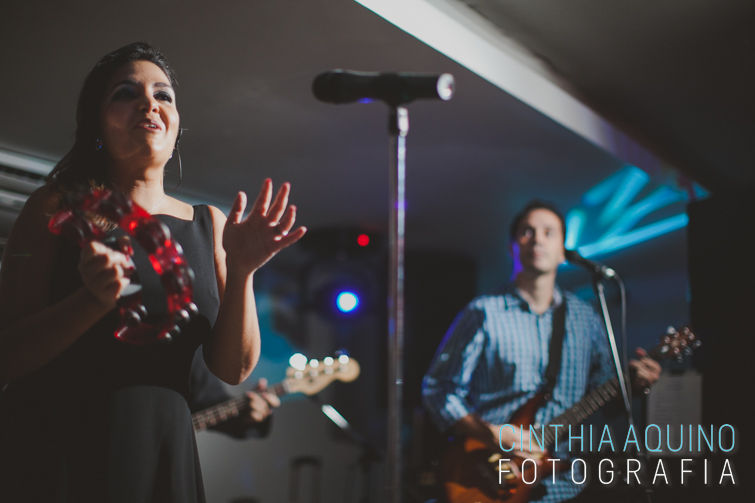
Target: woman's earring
(177,151)
(98,144)
(180,168)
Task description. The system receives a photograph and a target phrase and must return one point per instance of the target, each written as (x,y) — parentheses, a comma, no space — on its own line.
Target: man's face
(539,242)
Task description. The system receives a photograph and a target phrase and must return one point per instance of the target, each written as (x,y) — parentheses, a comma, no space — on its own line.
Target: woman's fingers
(262,203)
(104,271)
(239,205)
(265,231)
(291,238)
(285,224)
(99,255)
(279,204)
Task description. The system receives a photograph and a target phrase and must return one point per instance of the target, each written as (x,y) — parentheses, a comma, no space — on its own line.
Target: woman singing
(83,416)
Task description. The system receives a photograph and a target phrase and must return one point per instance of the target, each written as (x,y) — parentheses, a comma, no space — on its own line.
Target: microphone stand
(599,289)
(398,127)
(600,294)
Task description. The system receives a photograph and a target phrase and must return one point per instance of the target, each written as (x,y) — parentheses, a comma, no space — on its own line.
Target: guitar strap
(555,349)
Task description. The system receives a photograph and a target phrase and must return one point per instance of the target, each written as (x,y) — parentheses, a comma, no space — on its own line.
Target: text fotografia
(685,439)
(634,472)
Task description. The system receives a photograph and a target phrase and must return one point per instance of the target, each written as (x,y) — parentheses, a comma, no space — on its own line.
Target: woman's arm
(32,331)
(243,245)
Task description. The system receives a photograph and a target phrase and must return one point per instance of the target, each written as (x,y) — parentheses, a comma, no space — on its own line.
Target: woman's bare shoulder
(218,217)
(179,209)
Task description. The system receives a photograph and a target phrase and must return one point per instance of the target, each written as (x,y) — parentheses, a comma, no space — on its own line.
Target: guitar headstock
(676,343)
(316,375)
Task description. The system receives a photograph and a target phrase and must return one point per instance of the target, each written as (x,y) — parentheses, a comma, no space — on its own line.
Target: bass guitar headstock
(313,376)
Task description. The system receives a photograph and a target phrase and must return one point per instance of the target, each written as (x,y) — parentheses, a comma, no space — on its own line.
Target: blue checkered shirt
(493,359)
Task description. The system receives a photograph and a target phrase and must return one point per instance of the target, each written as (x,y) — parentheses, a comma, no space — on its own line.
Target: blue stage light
(347,302)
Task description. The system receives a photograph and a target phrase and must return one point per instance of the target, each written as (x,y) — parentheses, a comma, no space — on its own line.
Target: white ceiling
(677,76)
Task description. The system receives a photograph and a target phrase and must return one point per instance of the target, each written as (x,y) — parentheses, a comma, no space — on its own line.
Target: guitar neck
(590,403)
(229,409)
(583,409)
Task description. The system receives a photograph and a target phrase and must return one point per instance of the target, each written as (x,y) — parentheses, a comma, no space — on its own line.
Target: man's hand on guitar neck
(261,403)
(645,371)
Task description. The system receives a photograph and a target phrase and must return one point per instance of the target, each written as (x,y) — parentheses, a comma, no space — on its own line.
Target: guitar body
(471,474)
(470,468)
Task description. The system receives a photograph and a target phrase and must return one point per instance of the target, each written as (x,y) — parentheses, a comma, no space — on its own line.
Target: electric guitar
(312,378)
(470,469)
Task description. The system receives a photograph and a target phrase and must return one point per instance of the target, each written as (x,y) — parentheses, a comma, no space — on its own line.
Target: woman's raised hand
(250,242)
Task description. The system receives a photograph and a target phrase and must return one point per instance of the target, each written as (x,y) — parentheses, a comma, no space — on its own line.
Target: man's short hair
(535,204)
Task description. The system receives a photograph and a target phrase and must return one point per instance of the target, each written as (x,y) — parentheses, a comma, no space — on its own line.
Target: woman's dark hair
(535,205)
(84,162)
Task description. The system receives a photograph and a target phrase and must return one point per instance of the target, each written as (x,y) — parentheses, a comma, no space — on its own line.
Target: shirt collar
(513,298)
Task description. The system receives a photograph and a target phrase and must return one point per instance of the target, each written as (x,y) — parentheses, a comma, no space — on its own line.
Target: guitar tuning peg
(298,361)
(670,330)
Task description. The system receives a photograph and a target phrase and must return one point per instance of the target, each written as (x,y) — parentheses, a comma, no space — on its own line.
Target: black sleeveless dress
(108,421)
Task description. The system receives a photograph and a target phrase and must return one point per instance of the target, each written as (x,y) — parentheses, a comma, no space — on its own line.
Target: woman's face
(139,115)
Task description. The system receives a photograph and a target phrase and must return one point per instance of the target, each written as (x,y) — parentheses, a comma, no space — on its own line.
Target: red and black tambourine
(164,253)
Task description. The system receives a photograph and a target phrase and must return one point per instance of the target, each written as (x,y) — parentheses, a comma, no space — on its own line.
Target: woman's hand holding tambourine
(104,272)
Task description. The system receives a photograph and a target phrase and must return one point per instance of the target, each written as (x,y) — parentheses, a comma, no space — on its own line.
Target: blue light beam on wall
(640,235)
(631,183)
(603,190)
(575,222)
(661,197)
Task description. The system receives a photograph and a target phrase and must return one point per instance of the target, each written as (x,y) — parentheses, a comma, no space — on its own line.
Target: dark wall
(722,279)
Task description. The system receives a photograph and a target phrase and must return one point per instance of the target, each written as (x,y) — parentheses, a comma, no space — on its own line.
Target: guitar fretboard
(583,409)
(224,411)
(591,402)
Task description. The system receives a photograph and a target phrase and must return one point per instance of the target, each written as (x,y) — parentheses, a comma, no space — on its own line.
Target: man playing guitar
(206,390)
(494,357)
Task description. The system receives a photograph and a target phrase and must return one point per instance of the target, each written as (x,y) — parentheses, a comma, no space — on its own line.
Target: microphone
(599,269)
(346,86)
